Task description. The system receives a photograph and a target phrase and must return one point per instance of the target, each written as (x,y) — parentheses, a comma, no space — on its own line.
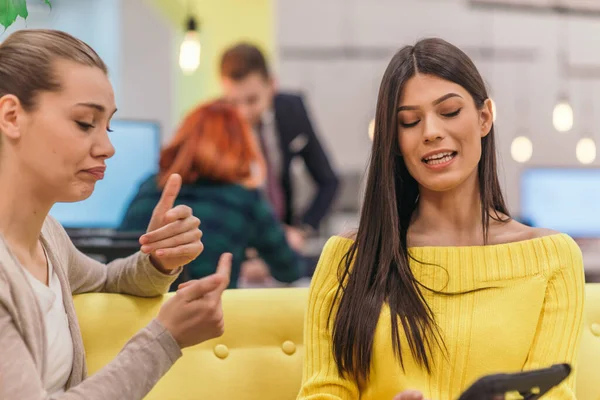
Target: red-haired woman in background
(222,169)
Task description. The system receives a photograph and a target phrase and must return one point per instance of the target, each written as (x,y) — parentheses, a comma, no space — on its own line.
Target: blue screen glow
(564,199)
(137,147)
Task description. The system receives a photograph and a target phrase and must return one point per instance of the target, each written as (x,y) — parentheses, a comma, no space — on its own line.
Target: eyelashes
(409,125)
(446,115)
(453,114)
(86,127)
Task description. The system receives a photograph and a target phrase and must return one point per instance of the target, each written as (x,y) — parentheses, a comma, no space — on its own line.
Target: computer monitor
(564,199)
(137,148)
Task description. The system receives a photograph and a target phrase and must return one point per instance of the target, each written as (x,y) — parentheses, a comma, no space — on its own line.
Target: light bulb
(493,110)
(521,149)
(562,117)
(189,52)
(372,129)
(586,151)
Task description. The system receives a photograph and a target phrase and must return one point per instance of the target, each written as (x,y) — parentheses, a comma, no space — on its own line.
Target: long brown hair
(376,269)
(213,142)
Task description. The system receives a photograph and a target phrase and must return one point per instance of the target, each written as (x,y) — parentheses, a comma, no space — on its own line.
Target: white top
(59,355)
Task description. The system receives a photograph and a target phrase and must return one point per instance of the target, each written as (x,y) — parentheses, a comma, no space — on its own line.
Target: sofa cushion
(258,357)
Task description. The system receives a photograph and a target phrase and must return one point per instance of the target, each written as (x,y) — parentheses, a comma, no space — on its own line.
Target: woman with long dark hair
(439,286)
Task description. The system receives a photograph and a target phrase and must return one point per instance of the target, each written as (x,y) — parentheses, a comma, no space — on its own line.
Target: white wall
(147,66)
(342,91)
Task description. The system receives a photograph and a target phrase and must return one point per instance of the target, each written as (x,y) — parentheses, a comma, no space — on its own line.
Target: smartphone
(530,384)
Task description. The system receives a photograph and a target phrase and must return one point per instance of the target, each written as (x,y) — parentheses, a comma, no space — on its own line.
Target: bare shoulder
(351,234)
(529,232)
(515,231)
(536,233)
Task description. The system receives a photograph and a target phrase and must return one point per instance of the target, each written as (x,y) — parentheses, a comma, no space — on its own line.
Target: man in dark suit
(284,130)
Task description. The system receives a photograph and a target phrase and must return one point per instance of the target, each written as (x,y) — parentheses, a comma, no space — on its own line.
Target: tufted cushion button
(221,351)
(288,347)
(596,329)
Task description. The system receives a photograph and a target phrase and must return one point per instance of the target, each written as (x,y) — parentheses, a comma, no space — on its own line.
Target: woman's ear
(10,107)
(486,117)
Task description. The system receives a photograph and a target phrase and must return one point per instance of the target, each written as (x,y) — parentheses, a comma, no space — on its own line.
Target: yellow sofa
(588,372)
(260,354)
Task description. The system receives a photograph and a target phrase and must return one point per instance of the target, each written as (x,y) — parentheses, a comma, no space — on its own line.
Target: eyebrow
(435,102)
(95,106)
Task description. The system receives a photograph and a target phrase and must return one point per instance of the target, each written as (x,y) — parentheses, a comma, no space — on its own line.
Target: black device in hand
(530,384)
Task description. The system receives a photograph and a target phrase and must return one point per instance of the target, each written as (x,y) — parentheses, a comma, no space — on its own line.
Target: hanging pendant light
(521,149)
(189,51)
(586,150)
(562,116)
(372,129)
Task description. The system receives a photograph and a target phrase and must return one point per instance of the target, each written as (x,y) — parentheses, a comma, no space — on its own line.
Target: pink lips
(438,165)
(97,172)
(438,151)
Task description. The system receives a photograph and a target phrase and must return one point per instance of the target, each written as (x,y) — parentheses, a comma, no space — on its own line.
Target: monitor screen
(564,199)
(137,147)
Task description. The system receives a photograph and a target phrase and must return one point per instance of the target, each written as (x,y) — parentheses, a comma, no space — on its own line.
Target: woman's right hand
(195,314)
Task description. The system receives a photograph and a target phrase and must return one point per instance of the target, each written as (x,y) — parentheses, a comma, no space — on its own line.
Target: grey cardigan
(130,376)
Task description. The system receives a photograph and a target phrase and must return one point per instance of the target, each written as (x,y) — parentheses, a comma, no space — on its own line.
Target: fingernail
(145,249)
(160,252)
(143,239)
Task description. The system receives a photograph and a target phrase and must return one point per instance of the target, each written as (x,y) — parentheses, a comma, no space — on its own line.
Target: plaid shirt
(233,219)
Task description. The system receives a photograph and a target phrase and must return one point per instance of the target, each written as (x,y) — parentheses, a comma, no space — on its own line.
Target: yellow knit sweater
(526,314)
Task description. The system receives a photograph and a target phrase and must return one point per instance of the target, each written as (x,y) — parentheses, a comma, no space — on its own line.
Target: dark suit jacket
(297,138)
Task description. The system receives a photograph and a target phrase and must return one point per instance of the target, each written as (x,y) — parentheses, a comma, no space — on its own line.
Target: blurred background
(540,59)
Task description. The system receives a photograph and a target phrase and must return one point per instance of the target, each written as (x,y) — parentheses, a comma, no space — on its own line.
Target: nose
(433,129)
(102,147)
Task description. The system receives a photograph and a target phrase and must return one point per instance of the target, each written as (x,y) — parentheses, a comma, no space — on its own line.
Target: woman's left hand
(173,238)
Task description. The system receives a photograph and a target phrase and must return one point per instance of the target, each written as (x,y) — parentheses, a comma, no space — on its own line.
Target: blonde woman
(56,103)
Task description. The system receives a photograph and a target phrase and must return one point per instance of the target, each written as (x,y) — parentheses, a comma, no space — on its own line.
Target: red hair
(213,142)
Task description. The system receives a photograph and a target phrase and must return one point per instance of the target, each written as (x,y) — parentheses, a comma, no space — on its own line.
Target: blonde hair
(27,62)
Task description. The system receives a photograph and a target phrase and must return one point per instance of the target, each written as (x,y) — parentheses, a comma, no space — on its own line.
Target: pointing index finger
(169,194)
(224,269)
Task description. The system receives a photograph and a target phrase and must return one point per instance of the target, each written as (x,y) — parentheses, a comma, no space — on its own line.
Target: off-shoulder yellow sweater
(526,314)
